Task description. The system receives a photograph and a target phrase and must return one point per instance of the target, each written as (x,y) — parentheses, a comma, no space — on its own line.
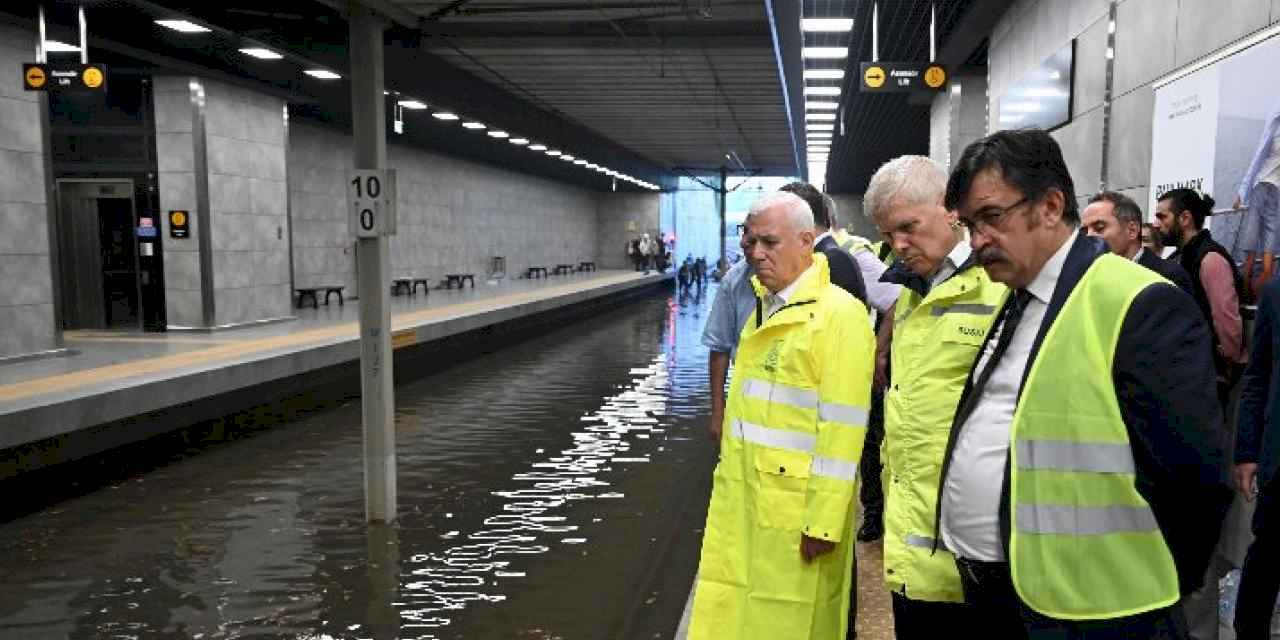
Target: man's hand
(1246,474)
(714,427)
(1237,203)
(811,548)
(880,380)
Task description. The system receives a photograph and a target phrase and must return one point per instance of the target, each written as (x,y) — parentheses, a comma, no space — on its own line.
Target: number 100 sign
(372,194)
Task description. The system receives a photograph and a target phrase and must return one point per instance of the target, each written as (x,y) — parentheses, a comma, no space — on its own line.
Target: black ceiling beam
(656,29)
(788,40)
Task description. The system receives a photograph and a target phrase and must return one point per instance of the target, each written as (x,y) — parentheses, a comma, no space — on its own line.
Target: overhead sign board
(64,77)
(903,77)
(372,197)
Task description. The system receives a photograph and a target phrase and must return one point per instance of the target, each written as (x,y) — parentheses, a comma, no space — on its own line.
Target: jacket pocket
(782,477)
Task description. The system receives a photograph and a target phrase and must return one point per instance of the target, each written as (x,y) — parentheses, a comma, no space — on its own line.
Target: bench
(586,265)
(564,269)
(310,292)
(537,272)
(426,286)
(460,279)
(405,283)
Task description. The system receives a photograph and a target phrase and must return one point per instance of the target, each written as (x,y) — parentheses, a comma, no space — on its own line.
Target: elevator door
(99,256)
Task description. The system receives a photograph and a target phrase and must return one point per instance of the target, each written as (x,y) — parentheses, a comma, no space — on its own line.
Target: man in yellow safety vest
(776,553)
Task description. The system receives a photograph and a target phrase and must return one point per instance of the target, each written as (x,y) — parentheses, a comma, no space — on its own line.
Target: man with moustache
(946,308)
(776,552)
(1082,487)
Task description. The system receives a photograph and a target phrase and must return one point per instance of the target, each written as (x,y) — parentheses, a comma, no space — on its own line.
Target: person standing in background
(1260,191)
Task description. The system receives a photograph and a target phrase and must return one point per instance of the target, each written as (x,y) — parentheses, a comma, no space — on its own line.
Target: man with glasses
(1082,487)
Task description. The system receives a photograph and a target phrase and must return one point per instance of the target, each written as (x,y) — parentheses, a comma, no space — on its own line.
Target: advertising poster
(1208,129)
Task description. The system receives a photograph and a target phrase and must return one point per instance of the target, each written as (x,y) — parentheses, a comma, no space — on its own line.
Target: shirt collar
(1138,256)
(783,296)
(958,255)
(1043,284)
(825,234)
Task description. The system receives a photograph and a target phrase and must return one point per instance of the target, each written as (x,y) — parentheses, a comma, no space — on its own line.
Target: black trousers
(1260,579)
(988,587)
(918,619)
(871,492)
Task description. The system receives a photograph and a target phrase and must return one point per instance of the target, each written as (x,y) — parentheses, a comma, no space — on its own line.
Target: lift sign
(372,196)
(903,77)
(61,77)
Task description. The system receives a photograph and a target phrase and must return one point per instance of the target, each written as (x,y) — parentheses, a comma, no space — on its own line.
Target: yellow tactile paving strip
(349,330)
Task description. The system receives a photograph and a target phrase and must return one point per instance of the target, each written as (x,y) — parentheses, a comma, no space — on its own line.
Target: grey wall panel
(18,234)
(22,176)
(27,279)
(1139,195)
(1207,25)
(1090,68)
(940,127)
(1083,13)
(1275,11)
(1051,21)
(1082,149)
(16,132)
(1129,164)
(1144,42)
(181,270)
(623,216)
(175,151)
(172,106)
(183,307)
(28,329)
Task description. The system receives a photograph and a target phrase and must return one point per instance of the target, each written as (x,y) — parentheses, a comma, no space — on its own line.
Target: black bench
(562,269)
(537,272)
(586,265)
(460,279)
(426,286)
(310,292)
(402,283)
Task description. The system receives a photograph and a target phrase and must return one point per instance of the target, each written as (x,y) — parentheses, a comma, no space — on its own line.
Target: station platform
(113,376)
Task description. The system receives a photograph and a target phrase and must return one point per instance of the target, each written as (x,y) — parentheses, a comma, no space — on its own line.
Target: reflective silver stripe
(1043,518)
(1059,455)
(778,392)
(832,468)
(842,413)
(974,309)
(925,542)
(778,438)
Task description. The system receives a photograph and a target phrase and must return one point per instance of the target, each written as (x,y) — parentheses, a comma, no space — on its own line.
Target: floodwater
(551,489)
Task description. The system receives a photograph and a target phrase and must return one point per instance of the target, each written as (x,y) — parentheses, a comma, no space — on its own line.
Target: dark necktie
(1012,315)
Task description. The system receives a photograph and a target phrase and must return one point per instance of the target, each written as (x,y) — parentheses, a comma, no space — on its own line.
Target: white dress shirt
(776,301)
(971,496)
(951,263)
(1138,256)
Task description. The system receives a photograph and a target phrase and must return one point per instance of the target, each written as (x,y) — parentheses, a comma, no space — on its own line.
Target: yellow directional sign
(935,76)
(34,77)
(874,77)
(39,76)
(92,77)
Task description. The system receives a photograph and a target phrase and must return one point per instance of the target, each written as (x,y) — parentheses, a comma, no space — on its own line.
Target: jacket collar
(810,286)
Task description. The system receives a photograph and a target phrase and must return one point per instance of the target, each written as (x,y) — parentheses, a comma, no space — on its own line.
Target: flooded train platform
(48,407)
(555,488)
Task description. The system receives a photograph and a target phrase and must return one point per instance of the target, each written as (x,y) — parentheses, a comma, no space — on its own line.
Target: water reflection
(540,485)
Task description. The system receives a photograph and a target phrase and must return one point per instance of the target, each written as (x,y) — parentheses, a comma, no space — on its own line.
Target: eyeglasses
(990,217)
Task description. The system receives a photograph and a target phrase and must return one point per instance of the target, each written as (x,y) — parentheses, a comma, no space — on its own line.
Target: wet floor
(551,489)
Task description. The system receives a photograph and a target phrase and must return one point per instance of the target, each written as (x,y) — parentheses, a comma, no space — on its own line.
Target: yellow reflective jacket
(935,341)
(792,438)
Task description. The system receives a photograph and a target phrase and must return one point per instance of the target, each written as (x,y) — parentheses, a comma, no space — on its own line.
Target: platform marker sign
(903,77)
(372,195)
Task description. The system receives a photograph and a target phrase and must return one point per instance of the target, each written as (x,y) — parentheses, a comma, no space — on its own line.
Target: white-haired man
(946,308)
(776,554)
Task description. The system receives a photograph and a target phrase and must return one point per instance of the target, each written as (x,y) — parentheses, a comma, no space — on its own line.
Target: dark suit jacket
(1256,439)
(1164,381)
(1172,271)
(844,269)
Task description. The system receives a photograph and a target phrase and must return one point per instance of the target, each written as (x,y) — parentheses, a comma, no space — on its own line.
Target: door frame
(81,183)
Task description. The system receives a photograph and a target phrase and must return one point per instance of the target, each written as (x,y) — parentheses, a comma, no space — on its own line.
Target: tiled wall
(1153,38)
(623,216)
(175,161)
(453,215)
(26,277)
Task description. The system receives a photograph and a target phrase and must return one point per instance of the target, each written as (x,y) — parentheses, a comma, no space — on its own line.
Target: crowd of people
(1030,400)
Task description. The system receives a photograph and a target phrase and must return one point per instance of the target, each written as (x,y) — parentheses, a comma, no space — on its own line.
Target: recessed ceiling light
(323,74)
(821,91)
(184,26)
(553,152)
(580,161)
(820,116)
(592,165)
(537,147)
(472,125)
(828,25)
(498,134)
(825,53)
(414,104)
(444,115)
(821,105)
(260,53)
(823,74)
(520,142)
(57,46)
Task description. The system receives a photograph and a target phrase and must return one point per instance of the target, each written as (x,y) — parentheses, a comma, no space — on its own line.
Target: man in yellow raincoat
(776,558)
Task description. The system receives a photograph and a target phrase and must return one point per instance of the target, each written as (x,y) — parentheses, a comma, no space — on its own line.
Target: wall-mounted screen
(1041,98)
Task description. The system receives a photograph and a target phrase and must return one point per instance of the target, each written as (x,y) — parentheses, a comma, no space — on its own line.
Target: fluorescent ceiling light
(260,53)
(57,46)
(580,161)
(184,26)
(819,126)
(820,116)
(821,91)
(567,157)
(414,104)
(444,115)
(825,53)
(823,74)
(323,74)
(828,25)
(553,152)
(498,134)
(538,147)
(591,165)
(472,125)
(519,141)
